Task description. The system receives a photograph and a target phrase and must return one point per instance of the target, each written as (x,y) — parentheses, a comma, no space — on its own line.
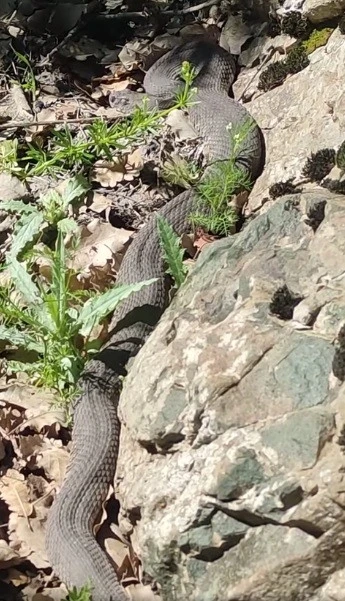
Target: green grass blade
(57,300)
(82,594)
(172,251)
(98,307)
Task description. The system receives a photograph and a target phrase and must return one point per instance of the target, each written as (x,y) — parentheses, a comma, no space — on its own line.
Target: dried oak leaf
(44,453)
(8,557)
(53,459)
(109,173)
(100,203)
(27,537)
(10,417)
(37,405)
(14,491)
(27,534)
(121,168)
(100,252)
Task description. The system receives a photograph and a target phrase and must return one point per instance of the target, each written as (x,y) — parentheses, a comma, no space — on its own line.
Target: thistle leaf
(98,307)
(172,251)
(24,283)
(20,339)
(26,230)
(17,206)
(76,187)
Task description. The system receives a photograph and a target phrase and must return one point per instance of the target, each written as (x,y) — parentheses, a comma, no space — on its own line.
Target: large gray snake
(72,548)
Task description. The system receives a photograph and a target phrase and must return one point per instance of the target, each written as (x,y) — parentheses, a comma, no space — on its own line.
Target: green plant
(319,164)
(273,27)
(82,594)
(172,251)
(318,37)
(271,77)
(223,180)
(54,323)
(296,60)
(50,210)
(50,320)
(178,171)
(65,150)
(27,76)
(185,94)
(9,156)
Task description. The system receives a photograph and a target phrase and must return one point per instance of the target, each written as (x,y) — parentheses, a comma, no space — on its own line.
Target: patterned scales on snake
(72,548)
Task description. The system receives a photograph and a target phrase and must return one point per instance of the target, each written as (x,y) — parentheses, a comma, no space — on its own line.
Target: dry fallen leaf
(100,203)
(16,577)
(14,491)
(134,164)
(8,557)
(133,53)
(126,167)
(51,594)
(100,252)
(11,187)
(179,124)
(53,459)
(37,404)
(109,173)
(15,105)
(27,534)
(202,239)
(115,85)
(116,549)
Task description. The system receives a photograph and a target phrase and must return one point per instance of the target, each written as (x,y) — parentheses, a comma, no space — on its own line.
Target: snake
(72,548)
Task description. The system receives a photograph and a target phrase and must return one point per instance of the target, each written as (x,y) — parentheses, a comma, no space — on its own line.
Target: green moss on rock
(296,60)
(318,38)
(273,76)
(276,73)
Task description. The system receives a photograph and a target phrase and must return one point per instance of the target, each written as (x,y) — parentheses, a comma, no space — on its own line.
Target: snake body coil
(72,549)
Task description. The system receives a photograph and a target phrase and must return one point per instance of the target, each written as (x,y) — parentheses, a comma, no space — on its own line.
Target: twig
(264,62)
(15,124)
(182,11)
(191,9)
(144,14)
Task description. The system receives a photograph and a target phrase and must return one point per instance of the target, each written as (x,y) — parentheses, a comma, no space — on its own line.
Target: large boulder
(231,473)
(322,10)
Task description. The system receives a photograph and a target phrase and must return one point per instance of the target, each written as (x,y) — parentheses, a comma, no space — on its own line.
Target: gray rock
(290,115)
(322,10)
(233,457)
